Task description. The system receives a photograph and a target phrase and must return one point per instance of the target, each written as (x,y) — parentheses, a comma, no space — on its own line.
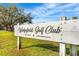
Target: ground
(29,47)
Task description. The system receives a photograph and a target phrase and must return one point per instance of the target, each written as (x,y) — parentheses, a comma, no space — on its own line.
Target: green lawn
(29,47)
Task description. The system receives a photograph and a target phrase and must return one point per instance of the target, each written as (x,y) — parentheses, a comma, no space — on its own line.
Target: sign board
(60,31)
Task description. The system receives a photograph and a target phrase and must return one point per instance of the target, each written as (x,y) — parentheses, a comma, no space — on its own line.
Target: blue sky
(47,12)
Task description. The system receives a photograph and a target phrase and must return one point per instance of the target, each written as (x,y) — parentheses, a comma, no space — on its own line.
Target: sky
(47,12)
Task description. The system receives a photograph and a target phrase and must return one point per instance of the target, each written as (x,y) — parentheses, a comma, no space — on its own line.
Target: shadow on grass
(46,46)
(50,47)
(77,52)
(68,51)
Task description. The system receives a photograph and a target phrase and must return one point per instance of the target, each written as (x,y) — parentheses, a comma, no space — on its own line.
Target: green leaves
(11,15)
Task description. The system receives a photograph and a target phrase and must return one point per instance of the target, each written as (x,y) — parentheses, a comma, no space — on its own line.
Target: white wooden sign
(61,31)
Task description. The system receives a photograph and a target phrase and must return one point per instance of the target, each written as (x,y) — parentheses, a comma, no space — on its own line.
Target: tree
(12,15)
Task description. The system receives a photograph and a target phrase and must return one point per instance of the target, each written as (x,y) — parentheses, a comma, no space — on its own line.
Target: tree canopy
(11,15)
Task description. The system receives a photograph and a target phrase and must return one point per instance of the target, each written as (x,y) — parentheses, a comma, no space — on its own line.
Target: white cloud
(41,20)
(59,9)
(46,10)
(41,10)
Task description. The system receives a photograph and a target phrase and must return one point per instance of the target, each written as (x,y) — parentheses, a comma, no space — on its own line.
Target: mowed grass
(29,47)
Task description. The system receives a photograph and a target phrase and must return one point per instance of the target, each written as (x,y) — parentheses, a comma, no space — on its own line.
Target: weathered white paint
(69,31)
(62,49)
(62,32)
(18,43)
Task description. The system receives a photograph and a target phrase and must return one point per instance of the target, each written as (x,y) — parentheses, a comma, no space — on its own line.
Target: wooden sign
(60,31)
(63,32)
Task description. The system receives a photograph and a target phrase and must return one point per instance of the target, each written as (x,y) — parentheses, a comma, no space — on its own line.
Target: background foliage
(11,15)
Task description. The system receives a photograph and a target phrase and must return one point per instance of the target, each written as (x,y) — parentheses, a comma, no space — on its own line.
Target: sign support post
(62,49)
(18,42)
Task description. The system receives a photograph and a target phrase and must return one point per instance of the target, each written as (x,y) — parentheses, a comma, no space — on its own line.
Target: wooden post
(18,42)
(73,50)
(62,49)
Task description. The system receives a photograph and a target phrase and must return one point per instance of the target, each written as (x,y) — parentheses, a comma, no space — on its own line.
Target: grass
(29,47)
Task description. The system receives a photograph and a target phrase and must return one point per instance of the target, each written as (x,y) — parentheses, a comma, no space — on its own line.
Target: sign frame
(62,43)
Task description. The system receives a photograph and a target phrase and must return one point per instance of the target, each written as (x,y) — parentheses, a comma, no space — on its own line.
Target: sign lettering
(54,31)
